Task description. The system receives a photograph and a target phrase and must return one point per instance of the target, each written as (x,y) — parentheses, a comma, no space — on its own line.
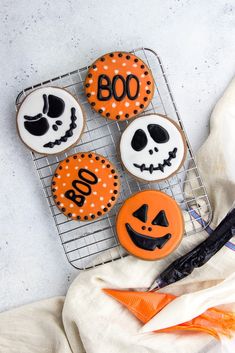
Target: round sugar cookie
(85,186)
(152,148)
(50,120)
(150,225)
(119,85)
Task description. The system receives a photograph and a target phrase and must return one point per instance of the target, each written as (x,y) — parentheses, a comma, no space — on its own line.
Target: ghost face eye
(53,106)
(158,133)
(139,140)
(38,127)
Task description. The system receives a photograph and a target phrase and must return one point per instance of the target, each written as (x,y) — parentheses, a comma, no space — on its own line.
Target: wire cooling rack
(89,244)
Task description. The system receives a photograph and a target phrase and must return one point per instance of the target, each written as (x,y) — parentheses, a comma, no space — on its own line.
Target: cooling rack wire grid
(89,244)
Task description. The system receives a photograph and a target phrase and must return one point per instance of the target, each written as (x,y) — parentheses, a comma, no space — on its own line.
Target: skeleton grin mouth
(160,166)
(67,134)
(145,242)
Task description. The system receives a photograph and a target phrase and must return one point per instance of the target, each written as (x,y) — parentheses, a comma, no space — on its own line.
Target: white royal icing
(54,114)
(153,160)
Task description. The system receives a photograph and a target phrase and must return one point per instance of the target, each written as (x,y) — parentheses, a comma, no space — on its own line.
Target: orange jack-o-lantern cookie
(119,85)
(85,186)
(150,225)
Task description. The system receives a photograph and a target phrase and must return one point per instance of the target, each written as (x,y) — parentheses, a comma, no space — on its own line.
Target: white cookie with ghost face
(152,148)
(50,120)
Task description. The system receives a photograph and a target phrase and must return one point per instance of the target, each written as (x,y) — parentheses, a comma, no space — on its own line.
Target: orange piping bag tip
(144,305)
(209,331)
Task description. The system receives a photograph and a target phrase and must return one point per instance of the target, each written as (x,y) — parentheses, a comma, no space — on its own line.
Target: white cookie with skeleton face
(152,148)
(50,120)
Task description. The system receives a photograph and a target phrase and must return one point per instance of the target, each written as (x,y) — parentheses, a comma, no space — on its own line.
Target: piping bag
(146,305)
(197,257)
(216,322)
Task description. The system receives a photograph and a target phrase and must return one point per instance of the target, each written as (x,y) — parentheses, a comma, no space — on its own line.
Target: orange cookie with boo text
(85,186)
(119,85)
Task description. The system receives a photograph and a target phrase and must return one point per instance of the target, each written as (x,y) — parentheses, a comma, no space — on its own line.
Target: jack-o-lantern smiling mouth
(160,166)
(146,242)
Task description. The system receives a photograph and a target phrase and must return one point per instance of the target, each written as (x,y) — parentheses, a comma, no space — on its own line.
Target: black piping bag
(197,257)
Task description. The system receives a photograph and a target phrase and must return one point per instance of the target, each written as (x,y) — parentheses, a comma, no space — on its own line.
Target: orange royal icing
(85,186)
(119,85)
(150,225)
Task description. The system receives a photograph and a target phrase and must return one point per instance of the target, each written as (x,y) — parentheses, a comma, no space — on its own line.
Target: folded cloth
(35,328)
(93,322)
(216,158)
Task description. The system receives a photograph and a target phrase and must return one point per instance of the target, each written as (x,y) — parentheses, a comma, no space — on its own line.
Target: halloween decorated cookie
(119,85)
(50,120)
(152,148)
(85,186)
(150,225)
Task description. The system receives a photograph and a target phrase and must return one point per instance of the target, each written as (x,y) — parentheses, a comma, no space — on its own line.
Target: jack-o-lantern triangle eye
(161,219)
(141,213)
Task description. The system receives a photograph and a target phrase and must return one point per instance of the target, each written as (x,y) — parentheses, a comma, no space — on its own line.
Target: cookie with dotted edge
(50,120)
(119,85)
(150,225)
(85,186)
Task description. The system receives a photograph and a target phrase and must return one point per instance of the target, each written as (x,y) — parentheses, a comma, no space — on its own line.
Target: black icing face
(144,241)
(38,125)
(53,106)
(157,133)
(52,111)
(140,142)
